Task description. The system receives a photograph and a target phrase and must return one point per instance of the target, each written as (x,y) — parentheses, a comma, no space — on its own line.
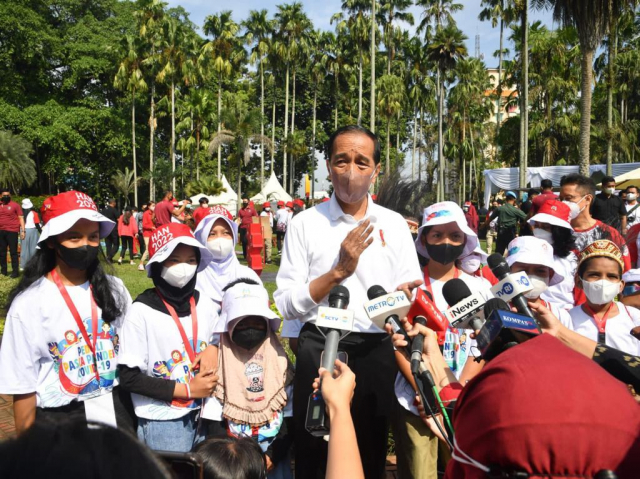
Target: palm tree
(259,30)
(318,72)
(124,183)
(243,132)
(130,77)
(391,10)
(445,50)
(207,185)
(17,169)
(222,51)
(374,28)
(337,65)
(391,93)
(591,19)
(199,108)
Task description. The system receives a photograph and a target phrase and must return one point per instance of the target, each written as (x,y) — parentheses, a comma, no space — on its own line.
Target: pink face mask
(351,187)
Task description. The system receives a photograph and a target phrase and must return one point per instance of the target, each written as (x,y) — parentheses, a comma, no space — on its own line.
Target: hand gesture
(352,247)
(203,384)
(548,322)
(430,345)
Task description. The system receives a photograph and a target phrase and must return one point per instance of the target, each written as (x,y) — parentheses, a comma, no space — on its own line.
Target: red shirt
(127,230)
(147,224)
(163,212)
(9,217)
(539,200)
(245,215)
(200,213)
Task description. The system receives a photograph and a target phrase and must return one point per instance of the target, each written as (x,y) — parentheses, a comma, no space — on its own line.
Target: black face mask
(248,338)
(444,253)
(78,258)
(6,199)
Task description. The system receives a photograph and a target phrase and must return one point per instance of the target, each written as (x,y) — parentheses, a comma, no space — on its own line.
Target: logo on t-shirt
(177,368)
(264,435)
(74,363)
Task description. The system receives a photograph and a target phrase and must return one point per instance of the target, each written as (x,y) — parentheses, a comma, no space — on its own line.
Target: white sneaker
(140,267)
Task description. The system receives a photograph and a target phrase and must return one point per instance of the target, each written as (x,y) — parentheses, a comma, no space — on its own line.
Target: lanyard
(78,319)
(427,279)
(600,323)
(194,326)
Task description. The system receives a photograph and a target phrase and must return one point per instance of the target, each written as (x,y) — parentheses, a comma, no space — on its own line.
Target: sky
(320,13)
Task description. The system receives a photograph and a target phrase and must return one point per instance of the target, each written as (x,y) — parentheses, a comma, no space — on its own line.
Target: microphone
(466,309)
(511,287)
(391,306)
(503,329)
(423,306)
(417,345)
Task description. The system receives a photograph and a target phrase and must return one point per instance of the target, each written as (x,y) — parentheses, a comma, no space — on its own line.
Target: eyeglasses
(631,289)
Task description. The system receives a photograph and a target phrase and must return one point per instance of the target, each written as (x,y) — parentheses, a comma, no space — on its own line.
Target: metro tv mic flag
(500,268)
(392,315)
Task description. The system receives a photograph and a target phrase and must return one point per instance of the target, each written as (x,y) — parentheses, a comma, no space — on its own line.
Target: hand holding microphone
(402,341)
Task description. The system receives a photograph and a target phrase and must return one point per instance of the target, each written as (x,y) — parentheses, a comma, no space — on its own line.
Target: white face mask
(601,291)
(543,235)
(220,248)
(178,275)
(470,264)
(631,197)
(609,191)
(540,285)
(575,207)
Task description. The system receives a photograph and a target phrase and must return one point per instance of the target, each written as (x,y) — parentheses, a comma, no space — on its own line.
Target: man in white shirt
(633,207)
(282,221)
(353,242)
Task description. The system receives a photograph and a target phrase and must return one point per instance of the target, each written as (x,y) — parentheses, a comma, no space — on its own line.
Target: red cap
(219,210)
(266,205)
(280,203)
(289,204)
(165,239)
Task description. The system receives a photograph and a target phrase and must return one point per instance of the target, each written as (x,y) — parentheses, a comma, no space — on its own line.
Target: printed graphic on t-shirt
(254,373)
(455,350)
(264,435)
(178,368)
(74,363)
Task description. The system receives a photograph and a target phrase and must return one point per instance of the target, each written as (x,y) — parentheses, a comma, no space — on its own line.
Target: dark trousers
(127,242)
(243,240)
(372,360)
(280,236)
(112,243)
(141,243)
(9,239)
(505,236)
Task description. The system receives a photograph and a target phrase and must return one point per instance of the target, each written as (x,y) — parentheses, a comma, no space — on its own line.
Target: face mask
(631,197)
(248,338)
(152,208)
(6,199)
(351,187)
(178,275)
(267,209)
(543,235)
(444,253)
(539,284)
(78,258)
(470,264)
(220,248)
(575,207)
(609,191)
(601,291)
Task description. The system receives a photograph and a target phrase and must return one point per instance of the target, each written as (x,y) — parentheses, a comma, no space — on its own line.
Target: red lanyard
(194,326)
(600,323)
(427,279)
(78,319)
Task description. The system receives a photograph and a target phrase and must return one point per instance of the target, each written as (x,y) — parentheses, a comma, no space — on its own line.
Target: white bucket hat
(165,239)
(243,300)
(215,213)
(443,213)
(478,251)
(26,204)
(553,212)
(631,276)
(532,250)
(59,213)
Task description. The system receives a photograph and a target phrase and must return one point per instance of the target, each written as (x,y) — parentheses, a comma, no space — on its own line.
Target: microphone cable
(426,376)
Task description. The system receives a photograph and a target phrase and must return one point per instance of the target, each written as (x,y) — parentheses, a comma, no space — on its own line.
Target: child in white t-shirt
(59,353)
(255,386)
(601,318)
(165,338)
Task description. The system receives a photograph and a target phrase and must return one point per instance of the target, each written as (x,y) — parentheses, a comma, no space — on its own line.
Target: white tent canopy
(196,198)
(509,178)
(631,178)
(228,199)
(272,191)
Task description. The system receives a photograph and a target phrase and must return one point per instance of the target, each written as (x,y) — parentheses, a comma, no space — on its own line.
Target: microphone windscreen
(376,291)
(493,304)
(498,265)
(339,297)
(455,290)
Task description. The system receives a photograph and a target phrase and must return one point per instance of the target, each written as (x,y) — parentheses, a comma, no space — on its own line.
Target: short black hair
(112,200)
(546,184)
(584,183)
(5,190)
(241,280)
(533,191)
(608,179)
(631,186)
(354,129)
(203,200)
(231,458)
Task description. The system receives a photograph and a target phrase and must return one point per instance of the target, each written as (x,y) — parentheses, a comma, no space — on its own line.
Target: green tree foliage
(17,169)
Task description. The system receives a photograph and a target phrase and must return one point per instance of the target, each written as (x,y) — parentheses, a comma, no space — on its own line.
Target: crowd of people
(195,364)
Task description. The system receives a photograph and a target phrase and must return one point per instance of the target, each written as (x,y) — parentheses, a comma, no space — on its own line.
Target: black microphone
(503,329)
(465,308)
(500,268)
(375,292)
(339,299)
(417,345)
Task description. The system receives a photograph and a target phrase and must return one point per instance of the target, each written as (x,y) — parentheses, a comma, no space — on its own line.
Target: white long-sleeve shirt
(312,248)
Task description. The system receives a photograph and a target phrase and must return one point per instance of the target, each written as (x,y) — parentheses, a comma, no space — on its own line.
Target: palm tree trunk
(413,149)
(360,92)
(198,153)
(261,126)
(440,139)
(133,144)
(286,127)
(610,85)
(173,136)
(585,110)
(293,125)
(335,112)
(524,54)
(387,166)
(462,158)
(220,125)
(475,164)
(372,117)
(398,140)
(239,177)
(152,127)
(419,147)
(499,90)
(273,132)
(313,143)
